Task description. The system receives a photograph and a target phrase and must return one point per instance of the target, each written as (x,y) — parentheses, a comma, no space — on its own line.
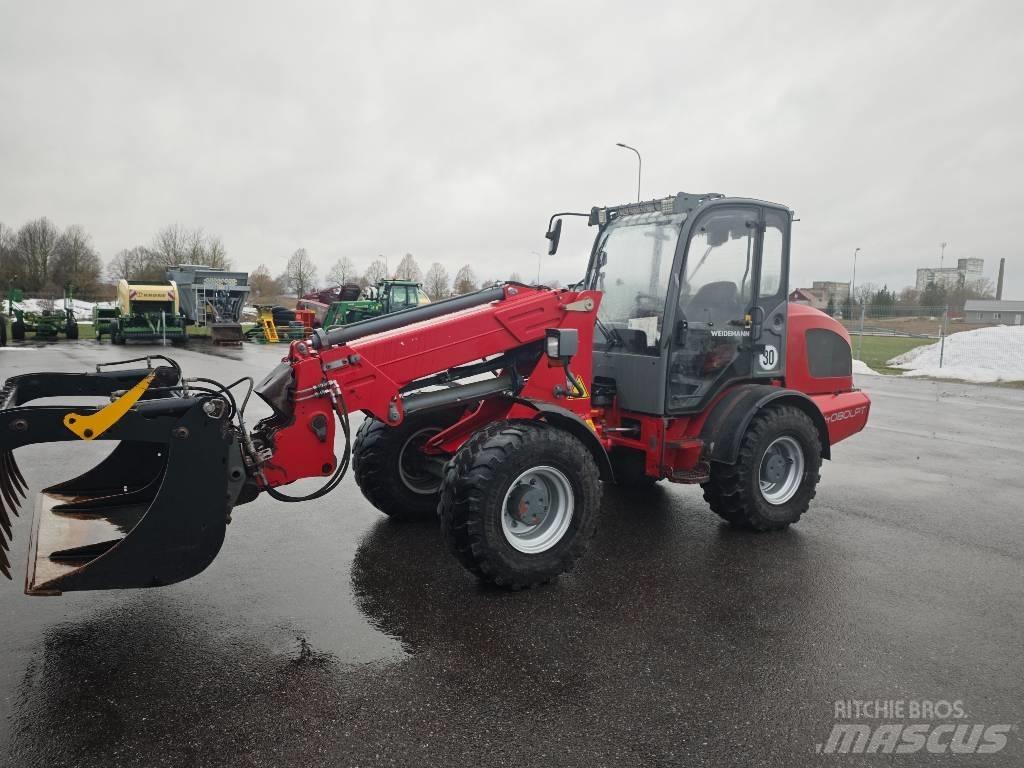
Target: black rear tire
(476,490)
(734,491)
(18,330)
(71,331)
(3,330)
(391,473)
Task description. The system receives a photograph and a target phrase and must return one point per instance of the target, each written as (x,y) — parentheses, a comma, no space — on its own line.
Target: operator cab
(397,296)
(694,296)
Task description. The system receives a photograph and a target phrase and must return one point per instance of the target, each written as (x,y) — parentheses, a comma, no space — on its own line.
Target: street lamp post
(537,254)
(639,166)
(853,280)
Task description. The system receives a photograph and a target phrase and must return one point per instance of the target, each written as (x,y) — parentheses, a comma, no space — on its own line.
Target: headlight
(552,344)
(562,343)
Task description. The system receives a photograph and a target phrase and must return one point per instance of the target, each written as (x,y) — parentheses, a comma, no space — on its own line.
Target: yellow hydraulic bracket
(95,424)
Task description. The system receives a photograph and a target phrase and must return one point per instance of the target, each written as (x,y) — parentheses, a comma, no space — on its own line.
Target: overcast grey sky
(452,130)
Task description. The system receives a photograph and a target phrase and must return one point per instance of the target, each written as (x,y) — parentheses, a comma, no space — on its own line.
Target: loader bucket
(226,333)
(153,512)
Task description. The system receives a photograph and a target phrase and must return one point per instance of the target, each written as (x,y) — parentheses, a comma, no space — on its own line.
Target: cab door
(769,314)
(728,320)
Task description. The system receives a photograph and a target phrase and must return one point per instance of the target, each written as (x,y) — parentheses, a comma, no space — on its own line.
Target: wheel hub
(775,468)
(782,470)
(537,509)
(528,503)
(418,471)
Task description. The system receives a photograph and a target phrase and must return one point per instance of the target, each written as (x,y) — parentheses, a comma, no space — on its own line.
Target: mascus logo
(901,739)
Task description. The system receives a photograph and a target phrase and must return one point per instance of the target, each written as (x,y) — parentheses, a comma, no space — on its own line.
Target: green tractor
(104,320)
(385,297)
(47,324)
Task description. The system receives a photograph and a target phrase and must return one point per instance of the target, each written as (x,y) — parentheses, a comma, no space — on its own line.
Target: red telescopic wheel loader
(501,412)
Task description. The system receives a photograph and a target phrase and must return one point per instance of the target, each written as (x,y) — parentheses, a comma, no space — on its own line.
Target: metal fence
(939,342)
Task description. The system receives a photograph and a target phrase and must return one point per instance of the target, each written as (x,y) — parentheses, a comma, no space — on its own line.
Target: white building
(965,272)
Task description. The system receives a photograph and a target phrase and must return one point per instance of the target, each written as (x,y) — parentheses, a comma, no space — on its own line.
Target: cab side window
(772,255)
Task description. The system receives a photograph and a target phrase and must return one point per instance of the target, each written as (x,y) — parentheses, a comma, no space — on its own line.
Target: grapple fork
(153,512)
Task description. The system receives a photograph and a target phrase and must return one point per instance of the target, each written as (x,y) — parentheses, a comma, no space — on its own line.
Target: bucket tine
(10,491)
(19,479)
(10,500)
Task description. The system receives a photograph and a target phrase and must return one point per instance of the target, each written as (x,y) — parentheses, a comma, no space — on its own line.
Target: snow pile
(862,368)
(983,355)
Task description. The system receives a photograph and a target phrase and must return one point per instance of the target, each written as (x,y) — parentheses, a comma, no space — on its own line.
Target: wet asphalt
(325,635)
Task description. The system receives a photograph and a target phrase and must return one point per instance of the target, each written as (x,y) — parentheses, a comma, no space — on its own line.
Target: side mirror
(554,235)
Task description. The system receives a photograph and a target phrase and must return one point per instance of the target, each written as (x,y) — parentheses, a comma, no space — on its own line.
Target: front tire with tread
(473,496)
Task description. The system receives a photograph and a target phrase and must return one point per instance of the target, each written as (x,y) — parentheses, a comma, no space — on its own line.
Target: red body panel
(846,413)
(798,373)
(370,373)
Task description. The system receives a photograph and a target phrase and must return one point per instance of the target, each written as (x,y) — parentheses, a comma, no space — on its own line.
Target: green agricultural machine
(148,312)
(385,297)
(103,320)
(47,324)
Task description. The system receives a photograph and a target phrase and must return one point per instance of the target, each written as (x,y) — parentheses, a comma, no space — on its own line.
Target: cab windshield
(631,266)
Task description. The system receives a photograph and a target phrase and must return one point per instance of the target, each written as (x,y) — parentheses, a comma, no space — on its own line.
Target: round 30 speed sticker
(769,358)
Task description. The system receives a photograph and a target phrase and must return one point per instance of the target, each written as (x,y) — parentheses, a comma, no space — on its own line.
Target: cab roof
(683,202)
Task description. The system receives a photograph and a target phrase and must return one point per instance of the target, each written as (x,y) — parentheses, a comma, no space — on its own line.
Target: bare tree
(864,292)
(343,271)
(138,263)
(10,263)
(436,282)
(75,261)
(261,284)
(300,272)
(35,245)
(376,272)
(515,278)
(171,246)
(408,269)
(174,245)
(216,253)
(465,280)
(910,296)
(122,265)
(195,246)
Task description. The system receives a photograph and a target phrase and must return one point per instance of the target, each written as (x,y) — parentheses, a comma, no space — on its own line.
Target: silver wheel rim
(421,483)
(537,510)
(782,470)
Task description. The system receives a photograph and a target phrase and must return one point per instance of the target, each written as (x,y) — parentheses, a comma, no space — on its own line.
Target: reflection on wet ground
(326,635)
